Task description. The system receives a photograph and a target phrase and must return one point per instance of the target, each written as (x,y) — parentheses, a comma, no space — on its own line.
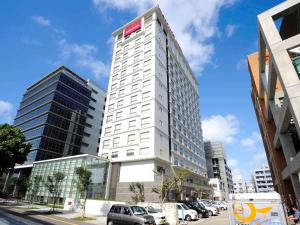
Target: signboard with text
(132,28)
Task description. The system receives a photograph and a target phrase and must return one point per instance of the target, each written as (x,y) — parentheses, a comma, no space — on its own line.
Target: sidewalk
(101,220)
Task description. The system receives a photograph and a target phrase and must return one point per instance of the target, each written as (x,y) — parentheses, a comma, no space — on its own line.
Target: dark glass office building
(53,115)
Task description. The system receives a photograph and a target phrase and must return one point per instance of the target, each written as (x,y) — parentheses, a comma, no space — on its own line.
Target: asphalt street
(221,219)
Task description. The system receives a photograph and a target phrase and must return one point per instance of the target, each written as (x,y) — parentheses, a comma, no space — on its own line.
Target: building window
(116,142)
(134,87)
(119,115)
(107,130)
(133,110)
(118,128)
(122,92)
(109,118)
(114,77)
(135,77)
(112,96)
(136,58)
(146,83)
(134,99)
(111,107)
(174,135)
(136,67)
(106,143)
(147,73)
(132,124)
(131,139)
(145,136)
(114,87)
(146,108)
(146,95)
(148,62)
(123,73)
(147,54)
(175,146)
(122,82)
(144,151)
(138,41)
(120,103)
(114,154)
(130,152)
(145,122)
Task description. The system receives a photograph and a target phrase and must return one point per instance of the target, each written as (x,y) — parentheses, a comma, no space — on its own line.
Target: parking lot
(221,219)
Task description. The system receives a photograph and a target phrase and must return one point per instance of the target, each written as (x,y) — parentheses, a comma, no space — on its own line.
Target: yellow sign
(239,209)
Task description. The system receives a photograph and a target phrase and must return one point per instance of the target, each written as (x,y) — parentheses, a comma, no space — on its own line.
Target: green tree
(179,178)
(53,185)
(138,190)
(33,186)
(13,148)
(82,183)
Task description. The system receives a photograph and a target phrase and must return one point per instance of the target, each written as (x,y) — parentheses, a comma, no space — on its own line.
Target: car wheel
(188,218)
(222,208)
(210,213)
(200,215)
(110,223)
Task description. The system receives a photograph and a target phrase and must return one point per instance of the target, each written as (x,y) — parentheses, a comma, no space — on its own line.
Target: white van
(256,208)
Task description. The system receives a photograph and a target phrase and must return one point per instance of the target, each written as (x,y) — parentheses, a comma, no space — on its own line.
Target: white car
(160,218)
(211,210)
(222,205)
(186,213)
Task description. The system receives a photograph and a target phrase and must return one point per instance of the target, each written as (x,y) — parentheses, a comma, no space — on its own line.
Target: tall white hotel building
(152,111)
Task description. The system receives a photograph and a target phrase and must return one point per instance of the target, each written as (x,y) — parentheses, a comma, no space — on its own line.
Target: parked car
(125,214)
(211,203)
(211,210)
(184,212)
(160,218)
(202,212)
(222,205)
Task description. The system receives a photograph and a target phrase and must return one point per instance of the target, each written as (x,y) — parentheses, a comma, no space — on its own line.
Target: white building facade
(218,189)
(151,116)
(263,179)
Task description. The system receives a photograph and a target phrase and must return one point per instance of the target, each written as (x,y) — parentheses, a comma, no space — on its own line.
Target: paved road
(221,219)
(14,216)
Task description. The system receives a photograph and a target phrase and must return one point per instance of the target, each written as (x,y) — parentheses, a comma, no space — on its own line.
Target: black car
(202,212)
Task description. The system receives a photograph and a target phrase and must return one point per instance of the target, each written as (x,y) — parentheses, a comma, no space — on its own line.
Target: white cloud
(260,156)
(237,173)
(193,32)
(46,23)
(232,163)
(252,141)
(84,56)
(241,64)
(220,128)
(5,112)
(42,21)
(230,29)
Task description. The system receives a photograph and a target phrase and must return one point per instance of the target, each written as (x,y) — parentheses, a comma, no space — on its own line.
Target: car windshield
(137,210)
(150,209)
(185,206)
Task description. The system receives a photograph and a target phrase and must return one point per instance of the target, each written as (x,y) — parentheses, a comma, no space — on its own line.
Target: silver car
(127,215)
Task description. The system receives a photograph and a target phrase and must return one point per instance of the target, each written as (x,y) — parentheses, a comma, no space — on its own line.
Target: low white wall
(92,207)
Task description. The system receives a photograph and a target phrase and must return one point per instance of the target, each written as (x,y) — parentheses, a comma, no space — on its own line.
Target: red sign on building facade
(132,28)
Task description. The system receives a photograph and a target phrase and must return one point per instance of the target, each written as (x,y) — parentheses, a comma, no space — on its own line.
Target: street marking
(47,217)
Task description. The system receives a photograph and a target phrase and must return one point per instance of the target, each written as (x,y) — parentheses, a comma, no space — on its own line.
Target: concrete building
(274,72)
(239,185)
(263,179)
(216,162)
(250,187)
(151,117)
(218,189)
(61,115)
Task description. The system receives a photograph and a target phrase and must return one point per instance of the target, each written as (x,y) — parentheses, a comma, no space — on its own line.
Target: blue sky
(215,35)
